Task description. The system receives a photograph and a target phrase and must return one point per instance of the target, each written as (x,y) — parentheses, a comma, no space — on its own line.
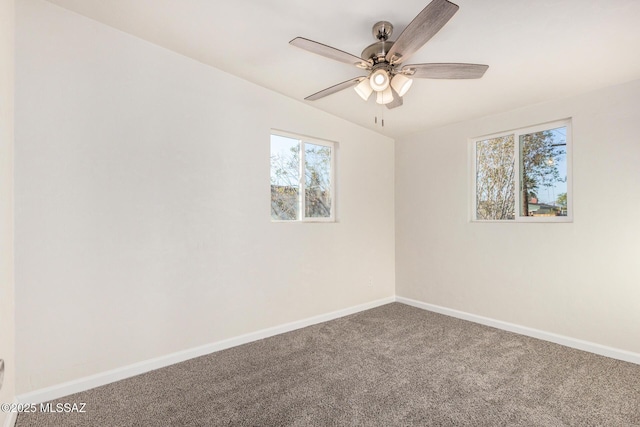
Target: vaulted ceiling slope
(537,50)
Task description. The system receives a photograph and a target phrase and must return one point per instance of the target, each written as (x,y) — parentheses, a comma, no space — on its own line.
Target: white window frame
(301,203)
(518,193)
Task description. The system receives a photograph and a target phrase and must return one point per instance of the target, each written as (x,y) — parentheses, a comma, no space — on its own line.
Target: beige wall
(143,204)
(578,279)
(7,323)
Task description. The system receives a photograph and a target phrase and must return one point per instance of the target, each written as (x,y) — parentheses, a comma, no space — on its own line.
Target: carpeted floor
(394,365)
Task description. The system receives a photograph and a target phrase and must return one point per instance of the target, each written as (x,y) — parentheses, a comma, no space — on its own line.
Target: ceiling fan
(383,59)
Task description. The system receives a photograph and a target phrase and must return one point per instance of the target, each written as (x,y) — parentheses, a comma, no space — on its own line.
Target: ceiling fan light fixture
(364,89)
(379,80)
(401,84)
(384,96)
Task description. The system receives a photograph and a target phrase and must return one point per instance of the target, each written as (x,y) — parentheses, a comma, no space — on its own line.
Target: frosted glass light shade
(384,96)
(401,84)
(364,89)
(379,80)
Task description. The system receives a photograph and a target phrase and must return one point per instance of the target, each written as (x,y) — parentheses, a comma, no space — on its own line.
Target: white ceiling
(537,50)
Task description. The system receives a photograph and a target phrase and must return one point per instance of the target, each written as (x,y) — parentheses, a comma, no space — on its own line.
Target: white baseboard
(591,347)
(11,419)
(86,383)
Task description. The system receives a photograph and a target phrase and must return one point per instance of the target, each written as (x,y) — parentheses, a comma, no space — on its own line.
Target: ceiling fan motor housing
(377,51)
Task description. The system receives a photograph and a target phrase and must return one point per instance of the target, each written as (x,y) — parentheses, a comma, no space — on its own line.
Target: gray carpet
(394,365)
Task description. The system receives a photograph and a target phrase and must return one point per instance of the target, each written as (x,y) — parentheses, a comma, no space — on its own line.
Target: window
(523,175)
(302,178)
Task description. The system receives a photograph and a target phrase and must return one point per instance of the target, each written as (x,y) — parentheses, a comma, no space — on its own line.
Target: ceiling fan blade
(334,89)
(445,71)
(421,29)
(329,52)
(397,100)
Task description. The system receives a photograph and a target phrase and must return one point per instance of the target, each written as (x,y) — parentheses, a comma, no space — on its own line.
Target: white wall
(143,204)
(579,279)
(7,322)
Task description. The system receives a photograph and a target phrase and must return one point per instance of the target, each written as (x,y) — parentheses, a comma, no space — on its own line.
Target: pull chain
(381,113)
